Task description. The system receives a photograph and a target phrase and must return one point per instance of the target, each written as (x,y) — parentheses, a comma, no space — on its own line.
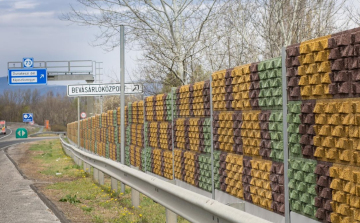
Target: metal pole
(78,122)
(285,137)
(172,131)
(212,144)
(145,146)
(101,104)
(122,97)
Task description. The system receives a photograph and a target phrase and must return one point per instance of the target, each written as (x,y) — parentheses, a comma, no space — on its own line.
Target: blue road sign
(27,76)
(28,117)
(28,62)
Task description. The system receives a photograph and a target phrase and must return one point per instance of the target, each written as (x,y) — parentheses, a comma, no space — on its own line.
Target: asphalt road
(9,139)
(7,143)
(18,202)
(8,133)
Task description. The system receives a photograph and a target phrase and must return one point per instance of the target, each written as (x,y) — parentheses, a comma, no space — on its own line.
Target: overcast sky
(32,28)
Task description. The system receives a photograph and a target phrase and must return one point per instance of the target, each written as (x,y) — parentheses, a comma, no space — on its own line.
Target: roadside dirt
(31,169)
(56,177)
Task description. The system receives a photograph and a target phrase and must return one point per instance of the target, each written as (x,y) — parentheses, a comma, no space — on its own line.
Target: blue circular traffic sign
(28,62)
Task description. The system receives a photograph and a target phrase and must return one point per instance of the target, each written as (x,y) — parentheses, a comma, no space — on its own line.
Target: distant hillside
(61,89)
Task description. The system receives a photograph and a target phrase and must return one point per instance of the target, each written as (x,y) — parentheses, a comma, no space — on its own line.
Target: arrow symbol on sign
(42,76)
(22,133)
(136,87)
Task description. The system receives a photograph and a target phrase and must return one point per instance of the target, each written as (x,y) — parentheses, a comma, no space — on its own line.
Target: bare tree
(353,9)
(285,22)
(168,32)
(182,38)
(59,109)
(237,38)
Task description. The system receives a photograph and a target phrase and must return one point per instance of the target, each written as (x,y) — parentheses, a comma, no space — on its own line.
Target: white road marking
(7,134)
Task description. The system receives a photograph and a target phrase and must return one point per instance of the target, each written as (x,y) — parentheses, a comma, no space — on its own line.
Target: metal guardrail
(190,205)
(44,133)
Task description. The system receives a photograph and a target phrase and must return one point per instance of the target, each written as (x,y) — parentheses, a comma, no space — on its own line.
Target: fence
(239,146)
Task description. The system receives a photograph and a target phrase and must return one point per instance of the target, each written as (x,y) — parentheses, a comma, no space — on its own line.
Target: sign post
(79,122)
(78,136)
(28,117)
(122,98)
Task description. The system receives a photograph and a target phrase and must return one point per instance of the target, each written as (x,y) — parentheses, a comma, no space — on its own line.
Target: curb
(13,162)
(58,213)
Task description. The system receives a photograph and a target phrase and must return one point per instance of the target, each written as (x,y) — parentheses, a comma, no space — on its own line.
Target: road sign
(28,62)
(83,115)
(31,123)
(133,89)
(21,133)
(102,89)
(27,76)
(28,117)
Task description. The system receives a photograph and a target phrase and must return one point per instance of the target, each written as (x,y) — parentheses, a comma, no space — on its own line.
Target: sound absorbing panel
(302,184)
(323,89)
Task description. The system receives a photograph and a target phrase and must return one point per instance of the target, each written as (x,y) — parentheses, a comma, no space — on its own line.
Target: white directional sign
(102,89)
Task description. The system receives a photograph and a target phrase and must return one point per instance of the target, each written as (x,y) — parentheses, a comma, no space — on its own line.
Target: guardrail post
(101,178)
(87,168)
(171,217)
(135,195)
(96,175)
(114,184)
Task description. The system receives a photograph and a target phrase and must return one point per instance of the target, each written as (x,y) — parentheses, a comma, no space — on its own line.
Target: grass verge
(32,130)
(75,189)
(45,135)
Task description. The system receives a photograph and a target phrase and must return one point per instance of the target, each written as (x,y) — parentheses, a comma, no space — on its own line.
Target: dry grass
(97,203)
